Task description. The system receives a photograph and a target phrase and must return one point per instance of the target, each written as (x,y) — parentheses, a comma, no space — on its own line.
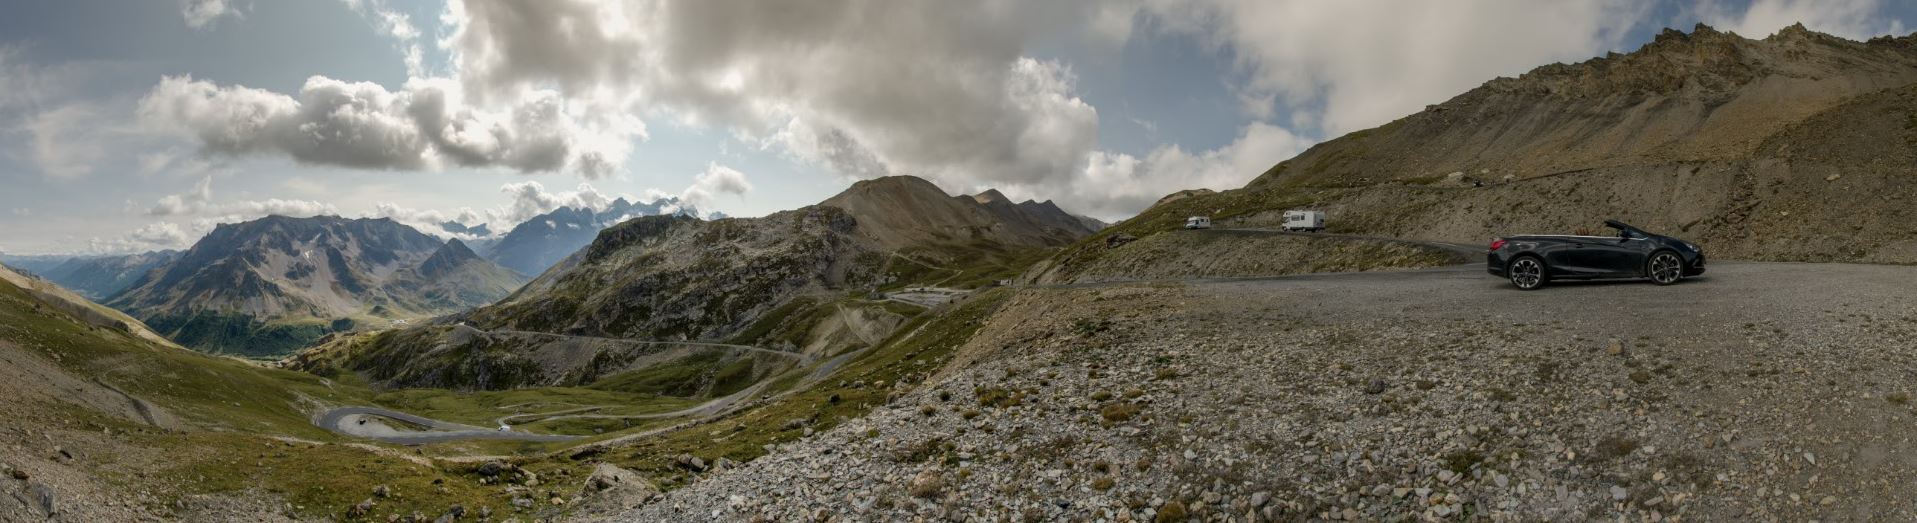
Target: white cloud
(153,236)
(716,180)
(201,14)
(363,125)
(1115,185)
(531,199)
(934,88)
(396,25)
(21,211)
(198,201)
(1356,64)
(64,144)
(1854,19)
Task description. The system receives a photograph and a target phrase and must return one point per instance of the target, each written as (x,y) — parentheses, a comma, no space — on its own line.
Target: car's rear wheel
(1665,268)
(1526,272)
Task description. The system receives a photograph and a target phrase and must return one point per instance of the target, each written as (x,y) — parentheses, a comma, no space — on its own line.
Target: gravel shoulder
(1761,391)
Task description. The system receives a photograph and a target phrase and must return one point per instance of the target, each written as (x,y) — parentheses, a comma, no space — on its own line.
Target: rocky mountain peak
(990,196)
(904,211)
(448,258)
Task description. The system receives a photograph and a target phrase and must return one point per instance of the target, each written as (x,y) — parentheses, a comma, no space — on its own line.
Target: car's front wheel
(1526,272)
(1666,268)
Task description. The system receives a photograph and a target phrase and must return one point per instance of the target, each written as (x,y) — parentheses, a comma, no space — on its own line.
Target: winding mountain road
(362,422)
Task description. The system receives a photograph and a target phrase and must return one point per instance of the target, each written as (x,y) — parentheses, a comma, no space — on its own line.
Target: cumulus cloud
(867,88)
(201,14)
(1116,185)
(1308,59)
(531,199)
(716,180)
(153,236)
(363,125)
(1854,19)
(198,201)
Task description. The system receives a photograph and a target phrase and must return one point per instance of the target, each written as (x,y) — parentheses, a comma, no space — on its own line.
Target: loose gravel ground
(1762,392)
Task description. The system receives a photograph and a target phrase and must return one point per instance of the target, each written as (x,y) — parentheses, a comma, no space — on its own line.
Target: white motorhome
(1198,222)
(1301,220)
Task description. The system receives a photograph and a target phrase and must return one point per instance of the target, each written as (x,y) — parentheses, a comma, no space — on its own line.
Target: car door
(1572,256)
(1616,256)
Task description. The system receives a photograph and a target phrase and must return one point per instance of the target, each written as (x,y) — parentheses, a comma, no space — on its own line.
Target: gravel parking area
(1766,392)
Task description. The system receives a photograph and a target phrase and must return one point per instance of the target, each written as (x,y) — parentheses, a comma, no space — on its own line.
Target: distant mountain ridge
(271,285)
(97,278)
(537,243)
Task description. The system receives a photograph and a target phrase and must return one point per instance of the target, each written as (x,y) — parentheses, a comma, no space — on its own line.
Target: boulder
(611,489)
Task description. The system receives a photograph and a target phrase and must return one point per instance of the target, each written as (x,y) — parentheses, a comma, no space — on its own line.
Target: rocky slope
(1438,396)
(901,212)
(1184,255)
(538,243)
(98,278)
(1797,146)
(274,284)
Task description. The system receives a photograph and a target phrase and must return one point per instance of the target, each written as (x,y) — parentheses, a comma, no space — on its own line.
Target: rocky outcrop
(613,490)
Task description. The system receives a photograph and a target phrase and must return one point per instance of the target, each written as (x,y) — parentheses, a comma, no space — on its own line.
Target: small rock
(1615,348)
(1828,500)
(19,474)
(44,495)
(492,468)
(926,485)
(382,491)
(1258,499)
(361,509)
(1833,177)
(691,462)
(1377,386)
(1618,493)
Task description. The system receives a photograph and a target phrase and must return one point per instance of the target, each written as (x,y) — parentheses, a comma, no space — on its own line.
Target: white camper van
(1299,220)
(1198,222)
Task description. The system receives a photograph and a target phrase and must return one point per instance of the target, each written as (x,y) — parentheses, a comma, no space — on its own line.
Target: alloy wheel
(1527,273)
(1666,268)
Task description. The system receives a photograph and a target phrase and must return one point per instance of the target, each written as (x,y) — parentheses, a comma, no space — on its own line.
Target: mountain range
(271,285)
(100,277)
(539,242)
(748,280)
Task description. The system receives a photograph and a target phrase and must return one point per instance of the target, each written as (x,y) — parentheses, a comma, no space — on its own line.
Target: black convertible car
(1531,261)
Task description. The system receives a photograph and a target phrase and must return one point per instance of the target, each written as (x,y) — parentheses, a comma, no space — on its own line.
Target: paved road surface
(345,420)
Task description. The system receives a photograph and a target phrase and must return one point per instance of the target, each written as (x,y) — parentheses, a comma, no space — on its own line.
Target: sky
(128,126)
